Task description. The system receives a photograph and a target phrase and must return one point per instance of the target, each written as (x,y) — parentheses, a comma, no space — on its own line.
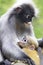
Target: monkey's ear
(18,10)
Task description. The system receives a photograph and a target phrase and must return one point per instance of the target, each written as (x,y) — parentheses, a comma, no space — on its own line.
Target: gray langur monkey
(14,26)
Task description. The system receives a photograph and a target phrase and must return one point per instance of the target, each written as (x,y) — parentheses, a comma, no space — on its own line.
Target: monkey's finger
(30,62)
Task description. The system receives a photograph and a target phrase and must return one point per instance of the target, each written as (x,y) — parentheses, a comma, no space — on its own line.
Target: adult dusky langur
(15,24)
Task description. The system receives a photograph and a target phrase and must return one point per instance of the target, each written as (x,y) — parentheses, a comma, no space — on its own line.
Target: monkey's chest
(21,33)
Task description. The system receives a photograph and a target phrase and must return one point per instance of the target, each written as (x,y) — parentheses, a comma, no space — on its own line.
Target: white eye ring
(24,40)
(27,16)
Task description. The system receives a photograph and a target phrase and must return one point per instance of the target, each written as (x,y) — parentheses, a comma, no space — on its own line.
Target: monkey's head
(25,13)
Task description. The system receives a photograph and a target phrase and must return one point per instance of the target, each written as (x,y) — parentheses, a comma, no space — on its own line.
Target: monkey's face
(25,13)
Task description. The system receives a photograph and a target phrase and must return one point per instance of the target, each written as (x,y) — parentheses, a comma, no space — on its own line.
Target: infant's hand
(21,44)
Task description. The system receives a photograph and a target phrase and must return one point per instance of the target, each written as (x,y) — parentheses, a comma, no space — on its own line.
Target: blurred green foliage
(38,23)
(4,5)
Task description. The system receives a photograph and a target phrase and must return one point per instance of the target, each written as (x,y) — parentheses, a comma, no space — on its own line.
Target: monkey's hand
(22,44)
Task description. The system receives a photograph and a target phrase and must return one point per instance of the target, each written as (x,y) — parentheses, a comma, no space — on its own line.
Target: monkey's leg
(40,41)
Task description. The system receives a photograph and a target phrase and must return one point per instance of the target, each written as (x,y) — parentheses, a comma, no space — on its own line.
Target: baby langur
(28,41)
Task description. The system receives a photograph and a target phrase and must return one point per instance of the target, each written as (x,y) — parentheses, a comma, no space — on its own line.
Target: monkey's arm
(13,52)
(40,41)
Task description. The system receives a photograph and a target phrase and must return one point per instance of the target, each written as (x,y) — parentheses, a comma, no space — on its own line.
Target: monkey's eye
(24,40)
(27,16)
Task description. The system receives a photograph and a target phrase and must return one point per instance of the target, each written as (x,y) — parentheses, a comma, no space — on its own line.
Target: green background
(38,23)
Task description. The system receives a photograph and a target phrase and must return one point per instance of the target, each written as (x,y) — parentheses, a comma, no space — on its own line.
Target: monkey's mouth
(27,24)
